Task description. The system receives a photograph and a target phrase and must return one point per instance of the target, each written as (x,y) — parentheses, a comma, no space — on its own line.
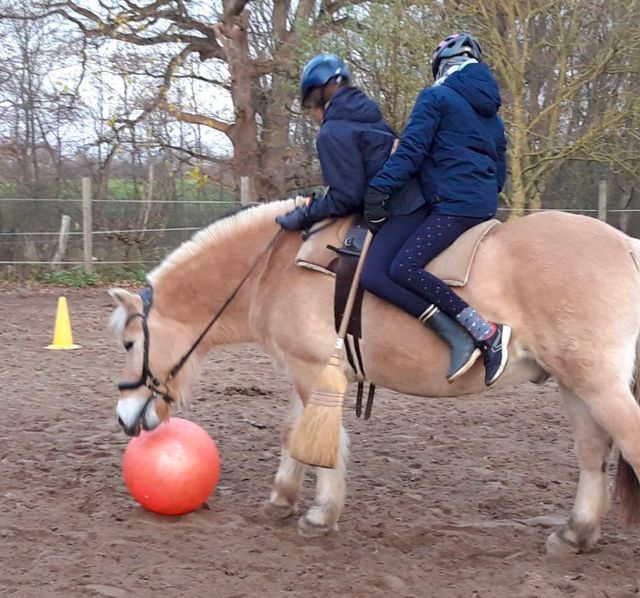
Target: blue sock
(479,328)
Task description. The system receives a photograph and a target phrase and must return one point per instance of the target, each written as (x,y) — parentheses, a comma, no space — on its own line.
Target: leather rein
(147,378)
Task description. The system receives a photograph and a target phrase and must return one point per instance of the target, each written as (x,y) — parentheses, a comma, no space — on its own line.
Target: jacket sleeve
(414,145)
(343,172)
(501,147)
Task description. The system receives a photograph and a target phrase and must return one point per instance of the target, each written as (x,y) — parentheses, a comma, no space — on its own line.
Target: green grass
(76,277)
(73,277)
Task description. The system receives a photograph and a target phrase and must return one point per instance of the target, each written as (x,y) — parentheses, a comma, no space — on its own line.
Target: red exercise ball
(173,469)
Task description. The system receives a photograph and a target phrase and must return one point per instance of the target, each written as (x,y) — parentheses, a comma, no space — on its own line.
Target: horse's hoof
(559,545)
(279,512)
(309,529)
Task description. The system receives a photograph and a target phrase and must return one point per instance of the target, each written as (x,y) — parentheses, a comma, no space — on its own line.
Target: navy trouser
(430,238)
(386,244)
(394,270)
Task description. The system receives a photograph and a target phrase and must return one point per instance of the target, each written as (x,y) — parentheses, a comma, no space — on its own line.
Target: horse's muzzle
(136,413)
(130,430)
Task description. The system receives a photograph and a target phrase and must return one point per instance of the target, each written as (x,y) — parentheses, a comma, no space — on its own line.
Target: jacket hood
(476,84)
(349,103)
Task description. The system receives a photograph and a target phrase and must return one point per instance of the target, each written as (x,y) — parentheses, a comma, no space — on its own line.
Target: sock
(479,328)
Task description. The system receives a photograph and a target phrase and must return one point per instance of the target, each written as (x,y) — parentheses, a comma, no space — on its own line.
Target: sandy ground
(443,494)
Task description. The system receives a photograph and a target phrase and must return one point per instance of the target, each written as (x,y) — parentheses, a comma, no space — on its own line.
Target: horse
(568,285)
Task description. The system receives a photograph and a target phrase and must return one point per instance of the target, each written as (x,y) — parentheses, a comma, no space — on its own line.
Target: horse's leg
(592,445)
(282,502)
(331,489)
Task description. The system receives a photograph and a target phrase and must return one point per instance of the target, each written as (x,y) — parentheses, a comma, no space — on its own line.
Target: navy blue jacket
(353,143)
(454,140)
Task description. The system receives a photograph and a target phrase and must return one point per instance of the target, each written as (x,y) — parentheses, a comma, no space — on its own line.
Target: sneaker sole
(466,367)
(506,337)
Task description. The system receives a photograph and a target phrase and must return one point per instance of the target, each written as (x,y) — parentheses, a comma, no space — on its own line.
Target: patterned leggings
(434,234)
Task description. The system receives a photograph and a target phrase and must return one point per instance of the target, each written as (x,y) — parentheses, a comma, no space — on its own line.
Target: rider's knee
(400,270)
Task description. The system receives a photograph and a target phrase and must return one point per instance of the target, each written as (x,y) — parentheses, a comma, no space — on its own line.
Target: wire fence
(112,236)
(133,232)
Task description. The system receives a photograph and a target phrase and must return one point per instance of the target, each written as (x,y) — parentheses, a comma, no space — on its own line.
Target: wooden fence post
(87,232)
(602,200)
(62,243)
(246,190)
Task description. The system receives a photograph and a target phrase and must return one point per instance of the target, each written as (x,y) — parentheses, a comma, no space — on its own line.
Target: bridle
(147,378)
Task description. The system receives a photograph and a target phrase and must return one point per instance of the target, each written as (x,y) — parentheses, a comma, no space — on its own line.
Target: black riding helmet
(458,44)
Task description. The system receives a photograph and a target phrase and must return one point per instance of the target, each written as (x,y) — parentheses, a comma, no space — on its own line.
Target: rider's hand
(298,219)
(376,209)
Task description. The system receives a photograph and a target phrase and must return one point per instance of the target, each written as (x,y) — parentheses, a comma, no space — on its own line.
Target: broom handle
(351,298)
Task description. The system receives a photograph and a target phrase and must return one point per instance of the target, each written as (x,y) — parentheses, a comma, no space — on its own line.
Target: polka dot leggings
(431,238)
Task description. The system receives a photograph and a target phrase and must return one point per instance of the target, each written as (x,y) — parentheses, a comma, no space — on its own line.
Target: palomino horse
(569,285)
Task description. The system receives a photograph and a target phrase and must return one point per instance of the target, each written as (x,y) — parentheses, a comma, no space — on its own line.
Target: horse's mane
(242,218)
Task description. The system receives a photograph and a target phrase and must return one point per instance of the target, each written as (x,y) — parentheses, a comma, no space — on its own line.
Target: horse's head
(156,375)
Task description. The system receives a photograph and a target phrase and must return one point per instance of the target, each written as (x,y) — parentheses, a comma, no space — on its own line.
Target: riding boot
(463,350)
(491,338)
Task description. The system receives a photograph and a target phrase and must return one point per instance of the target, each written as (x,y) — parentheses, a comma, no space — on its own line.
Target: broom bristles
(316,439)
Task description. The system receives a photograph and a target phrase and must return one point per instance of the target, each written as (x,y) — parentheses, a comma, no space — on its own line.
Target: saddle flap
(316,253)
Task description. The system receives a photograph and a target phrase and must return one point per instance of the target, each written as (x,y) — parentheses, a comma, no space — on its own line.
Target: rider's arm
(343,171)
(414,145)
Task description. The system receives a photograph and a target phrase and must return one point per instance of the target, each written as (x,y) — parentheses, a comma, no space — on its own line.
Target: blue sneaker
(495,353)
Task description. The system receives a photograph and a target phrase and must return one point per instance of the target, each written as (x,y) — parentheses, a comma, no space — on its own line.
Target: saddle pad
(453,265)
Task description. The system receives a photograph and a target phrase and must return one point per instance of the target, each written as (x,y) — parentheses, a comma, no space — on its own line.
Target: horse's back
(568,284)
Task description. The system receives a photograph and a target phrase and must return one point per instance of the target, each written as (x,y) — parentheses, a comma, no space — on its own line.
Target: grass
(76,277)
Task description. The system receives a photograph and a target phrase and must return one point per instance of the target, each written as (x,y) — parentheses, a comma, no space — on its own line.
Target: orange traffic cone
(62,337)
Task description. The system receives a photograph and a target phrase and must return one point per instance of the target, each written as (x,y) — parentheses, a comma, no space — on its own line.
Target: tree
(566,69)
(37,108)
(249,58)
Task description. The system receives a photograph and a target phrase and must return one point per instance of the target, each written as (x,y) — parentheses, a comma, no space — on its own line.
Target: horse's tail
(628,492)
(627,483)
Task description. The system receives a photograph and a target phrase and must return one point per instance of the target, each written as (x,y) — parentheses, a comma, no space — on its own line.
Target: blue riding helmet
(457,44)
(320,70)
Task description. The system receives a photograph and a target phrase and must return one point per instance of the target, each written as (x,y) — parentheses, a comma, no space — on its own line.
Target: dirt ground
(445,496)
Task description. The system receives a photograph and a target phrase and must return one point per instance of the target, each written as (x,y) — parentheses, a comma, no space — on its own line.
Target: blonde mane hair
(219,230)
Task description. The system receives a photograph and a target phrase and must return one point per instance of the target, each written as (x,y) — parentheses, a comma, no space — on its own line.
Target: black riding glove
(375,209)
(298,219)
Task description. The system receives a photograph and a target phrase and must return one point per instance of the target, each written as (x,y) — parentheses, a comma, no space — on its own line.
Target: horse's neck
(194,290)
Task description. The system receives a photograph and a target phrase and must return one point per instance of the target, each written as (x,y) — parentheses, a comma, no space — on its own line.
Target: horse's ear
(130,302)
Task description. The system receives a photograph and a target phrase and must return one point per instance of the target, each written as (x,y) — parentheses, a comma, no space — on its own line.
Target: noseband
(147,378)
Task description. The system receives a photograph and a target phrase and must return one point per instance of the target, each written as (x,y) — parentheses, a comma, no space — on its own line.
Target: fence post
(246,190)
(602,200)
(62,243)
(87,233)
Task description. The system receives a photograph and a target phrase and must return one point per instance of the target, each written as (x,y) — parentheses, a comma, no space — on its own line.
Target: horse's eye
(128,345)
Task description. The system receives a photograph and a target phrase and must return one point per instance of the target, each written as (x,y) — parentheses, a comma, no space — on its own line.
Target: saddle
(333,247)
(325,241)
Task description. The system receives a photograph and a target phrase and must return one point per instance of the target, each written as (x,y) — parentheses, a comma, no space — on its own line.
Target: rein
(147,378)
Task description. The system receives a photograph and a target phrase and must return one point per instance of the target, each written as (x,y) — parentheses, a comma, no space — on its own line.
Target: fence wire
(122,246)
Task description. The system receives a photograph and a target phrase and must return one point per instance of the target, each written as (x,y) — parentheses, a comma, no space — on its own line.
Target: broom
(316,439)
